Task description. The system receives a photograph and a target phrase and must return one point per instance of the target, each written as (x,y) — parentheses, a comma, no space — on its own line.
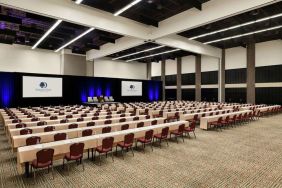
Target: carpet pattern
(245,156)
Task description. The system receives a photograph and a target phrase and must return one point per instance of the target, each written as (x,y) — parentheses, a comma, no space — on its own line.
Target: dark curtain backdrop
(76,89)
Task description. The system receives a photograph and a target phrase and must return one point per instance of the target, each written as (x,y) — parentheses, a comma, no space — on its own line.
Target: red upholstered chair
(69,116)
(106,129)
(25,131)
(147,117)
(64,121)
(126,144)
(75,154)
(108,122)
(109,117)
(60,136)
(61,113)
(140,124)
(44,159)
(190,128)
(179,132)
(49,129)
(125,127)
(225,122)
(73,126)
(20,125)
(107,146)
(136,118)
(41,123)
(75,113)
(154,122)
(53,117)
(87,132)
(215,124)
(95,118)
(195,118)
(90,124)
(80,119)
(33,140)
(122,120)
(239,119)
(147,139)
(162,136)
(34,119)
(16,121)
(83,115)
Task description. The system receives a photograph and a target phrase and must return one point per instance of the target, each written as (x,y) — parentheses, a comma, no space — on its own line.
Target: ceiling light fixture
(152,55)
(78,1)
(147,50)
(126,7)
(237,26)
(242,35)
(75,39)
(47,33)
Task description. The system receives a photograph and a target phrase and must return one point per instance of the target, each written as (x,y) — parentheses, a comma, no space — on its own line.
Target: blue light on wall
(6,89)
(91,92)
(157,96)
(99,91)
(153,91)
(108,90)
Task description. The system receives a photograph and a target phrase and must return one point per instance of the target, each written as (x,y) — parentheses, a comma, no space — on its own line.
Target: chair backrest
(234,117)
(83,115)
(64,121)
(140,124)
(181,128)
(149,135)
(45,155)
(69,116)
(87,132)
(107,143)
(53,117)
(122,120)
(73,126)
(76,149)
(219,120)
(16,121)
(216,113)
(195,117)
(211,114)
(80,119)
(136,118)
(95,118)
(25,131)
(165,132)
(108,121)
(227,118)
(106,130)
(125,127)
(60,136)
(49,128)
(192,126)
(129,138)
(20,125)
(33,140)
(108,117)
(203,115)
(61,113)
(35,119)
(122,115)
(154,122)
(90,124)
(147,117)
(41,123)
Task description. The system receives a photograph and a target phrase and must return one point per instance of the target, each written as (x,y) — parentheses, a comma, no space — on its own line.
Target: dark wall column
(251,63)
(163,77)
(149,71)
(198,77)
(221,78)
(178,78)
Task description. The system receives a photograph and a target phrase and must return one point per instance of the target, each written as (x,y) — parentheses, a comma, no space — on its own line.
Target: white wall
(170,67)
(106,67)
(209,63)
(188,64)
(235,58)
(74,65)
(16,58)
(269,53)
(156,69)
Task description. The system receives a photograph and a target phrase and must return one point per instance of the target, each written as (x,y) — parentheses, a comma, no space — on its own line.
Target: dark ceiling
(149,12)
(240,19)
(150,45)
(18,27)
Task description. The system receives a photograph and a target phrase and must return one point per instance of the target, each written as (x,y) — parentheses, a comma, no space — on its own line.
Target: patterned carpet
(245,156)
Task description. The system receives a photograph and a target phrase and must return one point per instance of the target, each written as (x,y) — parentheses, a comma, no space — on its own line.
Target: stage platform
(98,104)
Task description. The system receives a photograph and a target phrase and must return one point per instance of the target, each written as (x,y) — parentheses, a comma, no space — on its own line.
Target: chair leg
(99,158)
(166,141)
(68,167)
(33,175)
(183,137)
(132,151)
(194,134)
(88,153)
(82,163)
(63,163)
(113,156)
(122,153)
(160,143)
(152,146)
(116,149)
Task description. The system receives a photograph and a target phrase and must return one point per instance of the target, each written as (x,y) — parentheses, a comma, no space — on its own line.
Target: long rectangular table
(27,154)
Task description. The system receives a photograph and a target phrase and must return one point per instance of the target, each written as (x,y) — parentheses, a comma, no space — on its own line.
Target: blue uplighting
(6,89)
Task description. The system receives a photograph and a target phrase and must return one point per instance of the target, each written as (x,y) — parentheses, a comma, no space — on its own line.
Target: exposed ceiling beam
(121,44)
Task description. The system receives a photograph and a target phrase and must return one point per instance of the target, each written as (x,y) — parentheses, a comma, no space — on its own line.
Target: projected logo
(132,87)
(43,85)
